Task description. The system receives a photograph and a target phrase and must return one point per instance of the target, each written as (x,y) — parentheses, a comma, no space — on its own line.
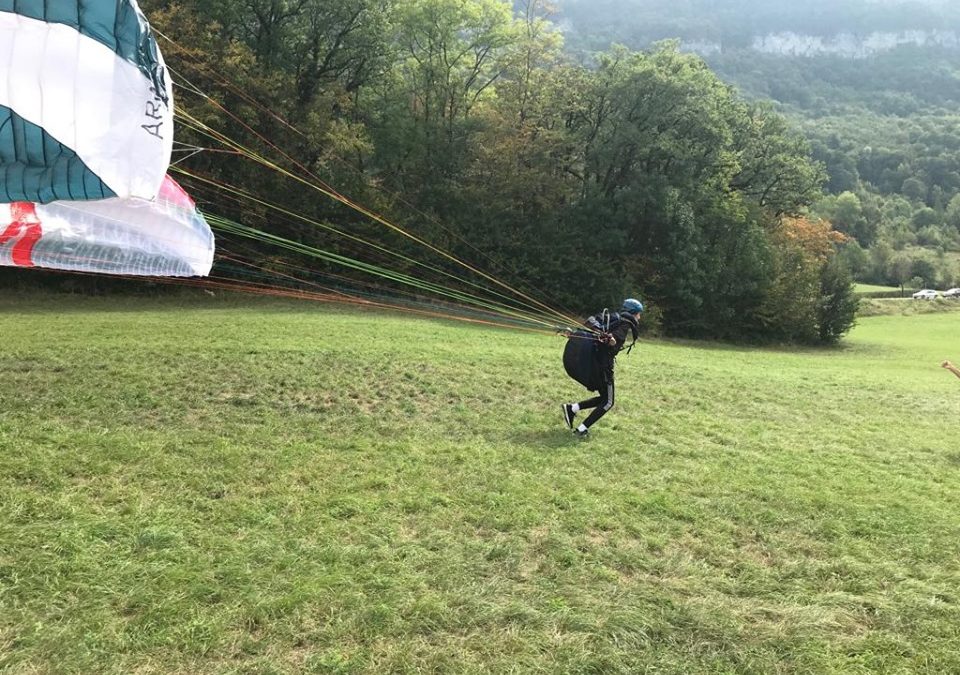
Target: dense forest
(884,124)
(470,123)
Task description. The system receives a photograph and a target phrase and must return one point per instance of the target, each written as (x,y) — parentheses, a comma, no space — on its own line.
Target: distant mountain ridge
(845,44)
(851,28)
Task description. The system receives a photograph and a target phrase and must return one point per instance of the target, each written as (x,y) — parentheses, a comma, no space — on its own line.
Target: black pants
(601,404)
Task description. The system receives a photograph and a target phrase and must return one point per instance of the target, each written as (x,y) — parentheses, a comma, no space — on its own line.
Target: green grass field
(217,486)
(861,289)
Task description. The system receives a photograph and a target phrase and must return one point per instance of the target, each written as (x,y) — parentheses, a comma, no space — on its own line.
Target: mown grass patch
(906,306)
(207,485)
(885,291)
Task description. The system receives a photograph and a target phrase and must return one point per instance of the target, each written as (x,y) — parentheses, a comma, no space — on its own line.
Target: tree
(452,49)
(847,217)
(774,163)
(838,304)
(526,84)
(804,304)
(931,235)
(925,217)
(952,214)
(340,43)
(432,103)
(925,270)
(881,255)
(900,270)
(915,189)
(855,259)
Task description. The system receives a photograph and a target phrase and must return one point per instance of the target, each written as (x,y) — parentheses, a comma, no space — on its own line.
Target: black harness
(582,356)
(609,321)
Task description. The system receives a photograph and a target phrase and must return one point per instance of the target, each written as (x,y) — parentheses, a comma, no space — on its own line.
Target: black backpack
(581,361)
(581,357)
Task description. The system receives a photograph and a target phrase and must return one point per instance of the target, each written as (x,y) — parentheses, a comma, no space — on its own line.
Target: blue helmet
(632,305)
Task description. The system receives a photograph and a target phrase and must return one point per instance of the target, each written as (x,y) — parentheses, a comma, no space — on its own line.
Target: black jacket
(617,324)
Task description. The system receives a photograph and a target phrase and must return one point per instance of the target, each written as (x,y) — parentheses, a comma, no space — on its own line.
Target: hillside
(873,86)
(215,485)
(719,25)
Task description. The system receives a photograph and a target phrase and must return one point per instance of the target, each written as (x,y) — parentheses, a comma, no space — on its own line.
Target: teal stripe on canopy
(118,24)
(35,167)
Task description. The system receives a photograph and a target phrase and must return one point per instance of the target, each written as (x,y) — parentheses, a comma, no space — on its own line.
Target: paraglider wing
(86,135)
(163,237)
(86,108)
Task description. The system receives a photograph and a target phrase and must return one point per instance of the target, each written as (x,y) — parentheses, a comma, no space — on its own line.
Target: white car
(952,293)
(925,294)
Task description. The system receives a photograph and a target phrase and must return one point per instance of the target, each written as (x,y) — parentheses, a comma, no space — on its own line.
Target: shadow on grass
(539,439)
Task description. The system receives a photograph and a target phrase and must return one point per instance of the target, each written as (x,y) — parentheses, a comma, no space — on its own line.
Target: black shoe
(568,414)
(581,434)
